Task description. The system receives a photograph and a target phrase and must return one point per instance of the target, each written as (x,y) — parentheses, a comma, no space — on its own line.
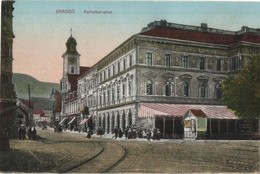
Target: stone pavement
(57,152)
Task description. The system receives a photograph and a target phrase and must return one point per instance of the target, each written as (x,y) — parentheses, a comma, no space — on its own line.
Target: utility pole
(29,108)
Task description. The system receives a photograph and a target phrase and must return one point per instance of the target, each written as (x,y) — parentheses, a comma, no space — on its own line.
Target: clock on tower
(71,60)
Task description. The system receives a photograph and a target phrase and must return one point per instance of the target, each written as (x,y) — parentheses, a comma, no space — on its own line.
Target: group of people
(31,133)
(132,132)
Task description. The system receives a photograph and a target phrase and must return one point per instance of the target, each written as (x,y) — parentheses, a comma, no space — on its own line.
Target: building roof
(38,111)
(84,69)
(73,78)
(151,110)
(198,113)
(163,29)
(71,40)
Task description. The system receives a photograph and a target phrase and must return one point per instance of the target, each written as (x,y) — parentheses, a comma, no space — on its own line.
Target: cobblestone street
(74,153)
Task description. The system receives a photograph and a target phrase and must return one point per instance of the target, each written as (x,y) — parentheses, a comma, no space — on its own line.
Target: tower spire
(70,31)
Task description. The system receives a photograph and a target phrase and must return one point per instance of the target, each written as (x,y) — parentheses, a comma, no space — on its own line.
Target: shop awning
(62,121)
(72,120)
(151,110)
(85,120)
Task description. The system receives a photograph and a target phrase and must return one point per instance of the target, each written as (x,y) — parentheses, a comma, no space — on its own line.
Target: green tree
(242,90)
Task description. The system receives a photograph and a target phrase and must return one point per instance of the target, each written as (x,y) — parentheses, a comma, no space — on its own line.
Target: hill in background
(37,88)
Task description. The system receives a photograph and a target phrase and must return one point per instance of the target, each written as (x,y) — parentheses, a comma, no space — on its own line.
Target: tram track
(103,161)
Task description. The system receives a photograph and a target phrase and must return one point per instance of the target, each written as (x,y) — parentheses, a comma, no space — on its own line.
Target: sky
(41,31)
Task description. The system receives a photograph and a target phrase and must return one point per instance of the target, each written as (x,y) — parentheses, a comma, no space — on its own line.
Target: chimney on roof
(204,26)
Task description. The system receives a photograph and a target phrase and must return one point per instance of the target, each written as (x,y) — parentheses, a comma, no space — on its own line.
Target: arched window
(108,95)
(203,91)
(104,96)
(218,91)
(118,91)
(72,70)
(113,94)
(123,90)
(186,89)
(168,88)
(129,88)
(100,97)
(149,87)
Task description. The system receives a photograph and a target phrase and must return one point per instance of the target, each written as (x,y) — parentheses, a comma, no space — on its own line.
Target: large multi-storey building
(158,75)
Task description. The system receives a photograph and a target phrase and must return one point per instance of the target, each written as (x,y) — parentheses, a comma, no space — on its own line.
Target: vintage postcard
(129,86)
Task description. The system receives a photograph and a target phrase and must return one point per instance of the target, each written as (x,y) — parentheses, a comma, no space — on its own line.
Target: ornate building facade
(7,94)
(158,74)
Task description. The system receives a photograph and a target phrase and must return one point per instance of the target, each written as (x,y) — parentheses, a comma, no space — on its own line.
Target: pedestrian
(20,131)
(129,133)
(23,133)
(126,132)
(120,133)
(34,133)
(30,132)
(89,132)
(158,134)
(148,134)
(116,132)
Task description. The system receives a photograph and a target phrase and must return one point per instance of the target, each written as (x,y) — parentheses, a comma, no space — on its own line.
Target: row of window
(201,62)
(116,68)
(186,89)
(113,94)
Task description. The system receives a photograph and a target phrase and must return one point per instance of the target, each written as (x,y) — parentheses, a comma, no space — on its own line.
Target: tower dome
(71,45)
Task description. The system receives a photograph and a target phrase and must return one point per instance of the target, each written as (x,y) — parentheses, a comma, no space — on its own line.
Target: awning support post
(227,125)
(210,131)
(236,127)
(163,127)
(218,126)
(173,126)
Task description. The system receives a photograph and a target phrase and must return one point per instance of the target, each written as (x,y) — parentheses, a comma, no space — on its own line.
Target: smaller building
(194,121)
(40,117)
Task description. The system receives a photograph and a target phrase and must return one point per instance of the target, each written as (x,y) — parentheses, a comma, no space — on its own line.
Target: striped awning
(85,120)
(62,121)
(72,120)
(151,110)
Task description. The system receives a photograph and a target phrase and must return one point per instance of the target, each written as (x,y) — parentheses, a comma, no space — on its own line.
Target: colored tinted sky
(41,33)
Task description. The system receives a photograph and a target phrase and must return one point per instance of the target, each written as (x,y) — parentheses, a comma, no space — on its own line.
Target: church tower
(71,70)
(71,58)
(71,63)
